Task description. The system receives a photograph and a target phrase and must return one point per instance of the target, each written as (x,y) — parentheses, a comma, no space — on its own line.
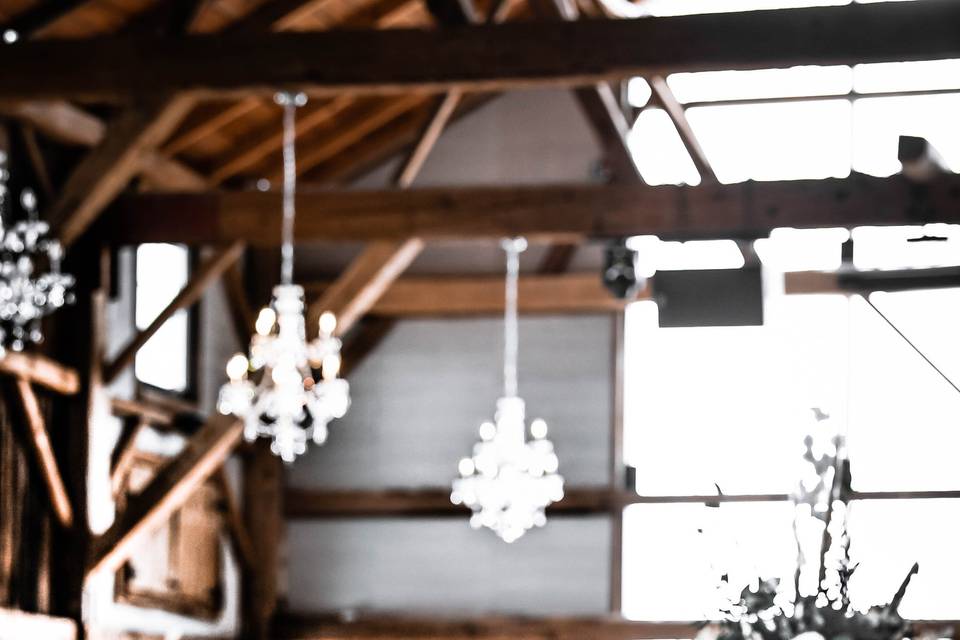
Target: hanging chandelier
(509,481)
(286,403)
(31,283)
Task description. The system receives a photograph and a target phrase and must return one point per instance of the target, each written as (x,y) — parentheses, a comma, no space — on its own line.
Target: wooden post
(263,502)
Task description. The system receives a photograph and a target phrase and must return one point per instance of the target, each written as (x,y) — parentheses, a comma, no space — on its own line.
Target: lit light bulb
(487,431)
(265,321)
(331,366)
(237,367)
(466,467)
(538,428)
(328,323)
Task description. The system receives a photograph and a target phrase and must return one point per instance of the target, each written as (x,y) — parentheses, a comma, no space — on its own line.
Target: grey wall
(443,566)
(420,397)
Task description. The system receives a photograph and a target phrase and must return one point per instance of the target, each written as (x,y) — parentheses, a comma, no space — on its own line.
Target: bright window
(162,271)
(806,122)
(729,406)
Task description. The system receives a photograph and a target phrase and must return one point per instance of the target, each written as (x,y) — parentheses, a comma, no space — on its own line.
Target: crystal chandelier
(509,482)
(287,404)
(31,284)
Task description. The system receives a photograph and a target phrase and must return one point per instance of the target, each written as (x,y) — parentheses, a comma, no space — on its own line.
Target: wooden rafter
(441,113)
(106,170)
(602,109)
(479,295)
(352,129)
(206,275)
(663,95)
(33,21)
(167,492)
(71,125)
(43,450)
(254,152)
(550,213)
(367,278)
(41,370)
(527,54)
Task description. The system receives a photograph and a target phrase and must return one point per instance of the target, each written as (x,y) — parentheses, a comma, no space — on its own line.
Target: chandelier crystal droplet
(509,481)
(286,403)
(31,283)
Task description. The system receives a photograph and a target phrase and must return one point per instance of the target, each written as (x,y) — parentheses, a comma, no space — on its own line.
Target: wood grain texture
(527,54)
(204,453)
(43,450)
(562,212)
(106,170)
(41,370)
(367,278)
(484,295)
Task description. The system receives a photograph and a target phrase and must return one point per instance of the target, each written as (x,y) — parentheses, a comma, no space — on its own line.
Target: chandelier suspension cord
(290,102)
(513,247)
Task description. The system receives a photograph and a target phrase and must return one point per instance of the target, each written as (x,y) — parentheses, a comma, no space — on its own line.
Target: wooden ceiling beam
(381,503)
(173,485)
(478,295)
(565,212)
(527,54)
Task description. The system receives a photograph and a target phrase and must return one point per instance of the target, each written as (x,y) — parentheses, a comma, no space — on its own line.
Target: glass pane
(659,152)
(879,122)
(162,271)
(903,418)
(802,249)
(730,405)
(888,536)
(763,83)
(671,571)
(891,247)
(907,76)
(786,141)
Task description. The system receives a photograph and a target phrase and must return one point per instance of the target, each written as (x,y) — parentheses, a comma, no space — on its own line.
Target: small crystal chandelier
(509,482)
(27,291)
(287,404)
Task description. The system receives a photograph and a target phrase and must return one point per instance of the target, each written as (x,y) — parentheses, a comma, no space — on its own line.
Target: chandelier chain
(290,104)
(512,247)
